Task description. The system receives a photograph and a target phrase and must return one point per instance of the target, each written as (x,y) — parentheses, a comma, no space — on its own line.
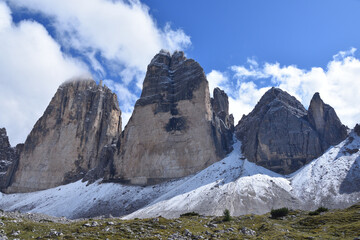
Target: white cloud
(338,85)
(242,97)
(125,97)
(252,71)
(245,98)
(31,69)
(216,79)
(123,32)
(33,65)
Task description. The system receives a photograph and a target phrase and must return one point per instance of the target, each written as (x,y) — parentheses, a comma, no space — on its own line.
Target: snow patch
(332,180)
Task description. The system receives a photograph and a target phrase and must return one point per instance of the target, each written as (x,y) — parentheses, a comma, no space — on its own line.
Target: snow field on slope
(233,183)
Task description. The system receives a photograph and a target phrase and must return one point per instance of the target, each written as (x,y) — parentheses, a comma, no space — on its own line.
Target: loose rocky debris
(334,224)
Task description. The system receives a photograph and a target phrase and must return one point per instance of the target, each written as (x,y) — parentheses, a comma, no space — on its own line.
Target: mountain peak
(278,135)
(275,99)
(66,141)
(165,59)
(173,116)
(326,122)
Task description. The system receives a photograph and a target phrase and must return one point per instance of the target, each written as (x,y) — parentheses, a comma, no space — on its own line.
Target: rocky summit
(9,158)
(66,141)
(176,130)
(325,121)
(281,135)
(173,131)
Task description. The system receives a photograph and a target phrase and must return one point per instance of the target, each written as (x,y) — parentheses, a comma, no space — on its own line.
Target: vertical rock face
(278,135)
(65,142)
(223,121)
(8,160)
(324,119)
(172,132)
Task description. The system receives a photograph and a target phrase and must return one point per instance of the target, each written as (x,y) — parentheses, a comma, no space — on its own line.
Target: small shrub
(281,212)
(189,214)
(318,211)
(226,216)
(313,213)
(322,209)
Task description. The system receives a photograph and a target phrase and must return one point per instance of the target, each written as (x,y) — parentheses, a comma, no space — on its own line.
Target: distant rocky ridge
(280,135)
(9,158)
(66,141)
(173,131)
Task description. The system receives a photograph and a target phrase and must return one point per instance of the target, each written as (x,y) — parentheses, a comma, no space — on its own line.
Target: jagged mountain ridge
(66,141)
(281,135)
(176,131)
(239,185)
(172,124)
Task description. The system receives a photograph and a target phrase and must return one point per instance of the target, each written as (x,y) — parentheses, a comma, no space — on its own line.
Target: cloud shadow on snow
(351,182)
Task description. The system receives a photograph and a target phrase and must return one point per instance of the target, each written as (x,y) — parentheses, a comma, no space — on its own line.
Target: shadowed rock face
(9,158)
(223,121)
(66,141)
(278,135)
(357,129)
(173,131)
(326,122)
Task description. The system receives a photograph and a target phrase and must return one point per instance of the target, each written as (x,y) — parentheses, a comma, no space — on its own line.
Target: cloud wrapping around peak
(31,69)
(125,97)
(338,85)
(122,32)
(113,40)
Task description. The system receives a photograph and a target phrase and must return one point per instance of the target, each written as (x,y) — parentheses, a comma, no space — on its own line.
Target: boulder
(66,141)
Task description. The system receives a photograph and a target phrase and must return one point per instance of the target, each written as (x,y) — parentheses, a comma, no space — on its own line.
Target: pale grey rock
(67,140)
(173,131)
(247,231)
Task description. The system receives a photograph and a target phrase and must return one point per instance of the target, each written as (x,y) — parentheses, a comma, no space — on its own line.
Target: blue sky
(245,47)
(306,33)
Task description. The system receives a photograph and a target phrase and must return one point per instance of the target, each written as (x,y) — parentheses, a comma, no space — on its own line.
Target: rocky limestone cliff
(9,158)
(224,123)
(66,141)
(278,135)
(173,131)
(325,121)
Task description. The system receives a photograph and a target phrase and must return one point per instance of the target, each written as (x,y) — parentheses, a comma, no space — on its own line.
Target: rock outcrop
(9,158)
(224,122)
(357,129)
(66,141)
(173,131)
(325,121)
(279,135)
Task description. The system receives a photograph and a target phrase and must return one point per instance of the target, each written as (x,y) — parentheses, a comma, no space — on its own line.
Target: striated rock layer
(173,131)
(280,135)
(9,158)
(66,141)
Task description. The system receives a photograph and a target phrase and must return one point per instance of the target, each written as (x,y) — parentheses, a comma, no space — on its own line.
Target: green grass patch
(334,224)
